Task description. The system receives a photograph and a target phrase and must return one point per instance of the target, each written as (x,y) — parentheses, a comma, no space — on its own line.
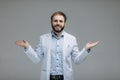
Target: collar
(54,35)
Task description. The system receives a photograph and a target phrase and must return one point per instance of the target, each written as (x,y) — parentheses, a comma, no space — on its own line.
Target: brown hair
(59,13)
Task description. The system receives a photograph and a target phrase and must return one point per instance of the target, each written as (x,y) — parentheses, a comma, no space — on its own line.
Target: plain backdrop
(88,20)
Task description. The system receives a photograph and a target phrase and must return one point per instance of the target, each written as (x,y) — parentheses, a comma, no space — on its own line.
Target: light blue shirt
(56,54)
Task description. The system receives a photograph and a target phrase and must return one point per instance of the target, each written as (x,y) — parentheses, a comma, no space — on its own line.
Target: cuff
(26,49)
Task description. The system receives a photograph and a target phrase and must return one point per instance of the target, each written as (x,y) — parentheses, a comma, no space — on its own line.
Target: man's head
(58,20)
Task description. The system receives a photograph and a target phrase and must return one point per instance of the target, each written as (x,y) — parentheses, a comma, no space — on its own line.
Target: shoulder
(44,36)
(70,36)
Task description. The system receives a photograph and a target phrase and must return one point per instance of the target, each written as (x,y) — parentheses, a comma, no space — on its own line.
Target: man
(57,50)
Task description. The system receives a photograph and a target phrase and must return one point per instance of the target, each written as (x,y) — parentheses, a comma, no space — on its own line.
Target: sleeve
(78,56)
(35,55)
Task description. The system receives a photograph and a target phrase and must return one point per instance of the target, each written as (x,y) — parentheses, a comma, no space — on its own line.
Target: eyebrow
(58,20)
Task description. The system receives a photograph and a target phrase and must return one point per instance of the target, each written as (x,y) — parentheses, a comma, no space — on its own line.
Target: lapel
(65,45)
(48,41)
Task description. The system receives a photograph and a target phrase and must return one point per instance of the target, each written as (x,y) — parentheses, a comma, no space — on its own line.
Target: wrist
(88,49)
(26,46)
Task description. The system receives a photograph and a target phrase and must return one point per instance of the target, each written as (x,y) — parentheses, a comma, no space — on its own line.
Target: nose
(58,22)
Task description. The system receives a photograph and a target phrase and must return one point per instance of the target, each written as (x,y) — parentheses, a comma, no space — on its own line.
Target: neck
(58,33)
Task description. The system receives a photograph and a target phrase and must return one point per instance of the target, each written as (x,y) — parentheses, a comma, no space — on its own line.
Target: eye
(55,20)
(61,21)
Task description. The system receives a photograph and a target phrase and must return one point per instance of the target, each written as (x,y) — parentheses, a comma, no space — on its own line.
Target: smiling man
(56,50)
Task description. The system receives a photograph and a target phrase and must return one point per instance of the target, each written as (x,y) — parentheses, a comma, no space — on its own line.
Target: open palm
(90,45)
(23,43)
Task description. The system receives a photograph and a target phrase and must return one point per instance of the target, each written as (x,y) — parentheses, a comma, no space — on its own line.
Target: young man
(57,50)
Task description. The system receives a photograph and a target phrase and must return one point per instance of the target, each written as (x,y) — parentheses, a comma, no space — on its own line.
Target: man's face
(58,23)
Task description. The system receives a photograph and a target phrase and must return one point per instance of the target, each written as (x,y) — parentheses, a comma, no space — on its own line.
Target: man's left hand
(90,45)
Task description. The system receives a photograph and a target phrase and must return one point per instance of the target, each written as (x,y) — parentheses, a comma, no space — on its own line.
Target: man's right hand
(23,43)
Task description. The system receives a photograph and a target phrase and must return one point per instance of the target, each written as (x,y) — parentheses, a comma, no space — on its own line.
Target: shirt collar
(54,35)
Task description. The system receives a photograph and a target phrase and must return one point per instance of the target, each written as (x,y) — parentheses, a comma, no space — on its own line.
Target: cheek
(53,23)
(63,24)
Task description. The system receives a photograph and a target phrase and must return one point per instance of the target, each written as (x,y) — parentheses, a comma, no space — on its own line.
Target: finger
(97,42)
(24,41)
(17,42)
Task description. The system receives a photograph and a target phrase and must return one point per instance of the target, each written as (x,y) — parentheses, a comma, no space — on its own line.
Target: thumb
(24,41)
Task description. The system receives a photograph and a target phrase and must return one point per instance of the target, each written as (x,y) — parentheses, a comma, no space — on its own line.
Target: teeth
(57,27)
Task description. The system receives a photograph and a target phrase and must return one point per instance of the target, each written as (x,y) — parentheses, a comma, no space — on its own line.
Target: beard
(58,28)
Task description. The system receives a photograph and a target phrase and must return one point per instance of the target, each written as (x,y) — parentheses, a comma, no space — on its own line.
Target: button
(58,46)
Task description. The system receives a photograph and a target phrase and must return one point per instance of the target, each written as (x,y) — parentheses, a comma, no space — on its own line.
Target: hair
(59,13)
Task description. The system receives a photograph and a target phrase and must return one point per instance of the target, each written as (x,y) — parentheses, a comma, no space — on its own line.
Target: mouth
(57,28)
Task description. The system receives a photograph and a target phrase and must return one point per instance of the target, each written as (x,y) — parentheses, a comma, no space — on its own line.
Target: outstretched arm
(79,56)
(34,55)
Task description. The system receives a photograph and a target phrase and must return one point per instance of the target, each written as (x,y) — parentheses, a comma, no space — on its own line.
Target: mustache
(57,25)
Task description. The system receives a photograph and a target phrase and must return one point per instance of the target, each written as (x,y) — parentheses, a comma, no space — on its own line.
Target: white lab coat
(70,53)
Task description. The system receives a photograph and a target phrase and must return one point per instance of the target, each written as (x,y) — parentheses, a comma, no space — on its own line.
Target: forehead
(59,17)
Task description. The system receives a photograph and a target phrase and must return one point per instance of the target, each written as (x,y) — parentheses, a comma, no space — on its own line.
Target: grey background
(88,20)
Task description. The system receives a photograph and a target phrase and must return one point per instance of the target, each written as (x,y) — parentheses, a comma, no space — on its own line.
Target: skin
(58,24)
